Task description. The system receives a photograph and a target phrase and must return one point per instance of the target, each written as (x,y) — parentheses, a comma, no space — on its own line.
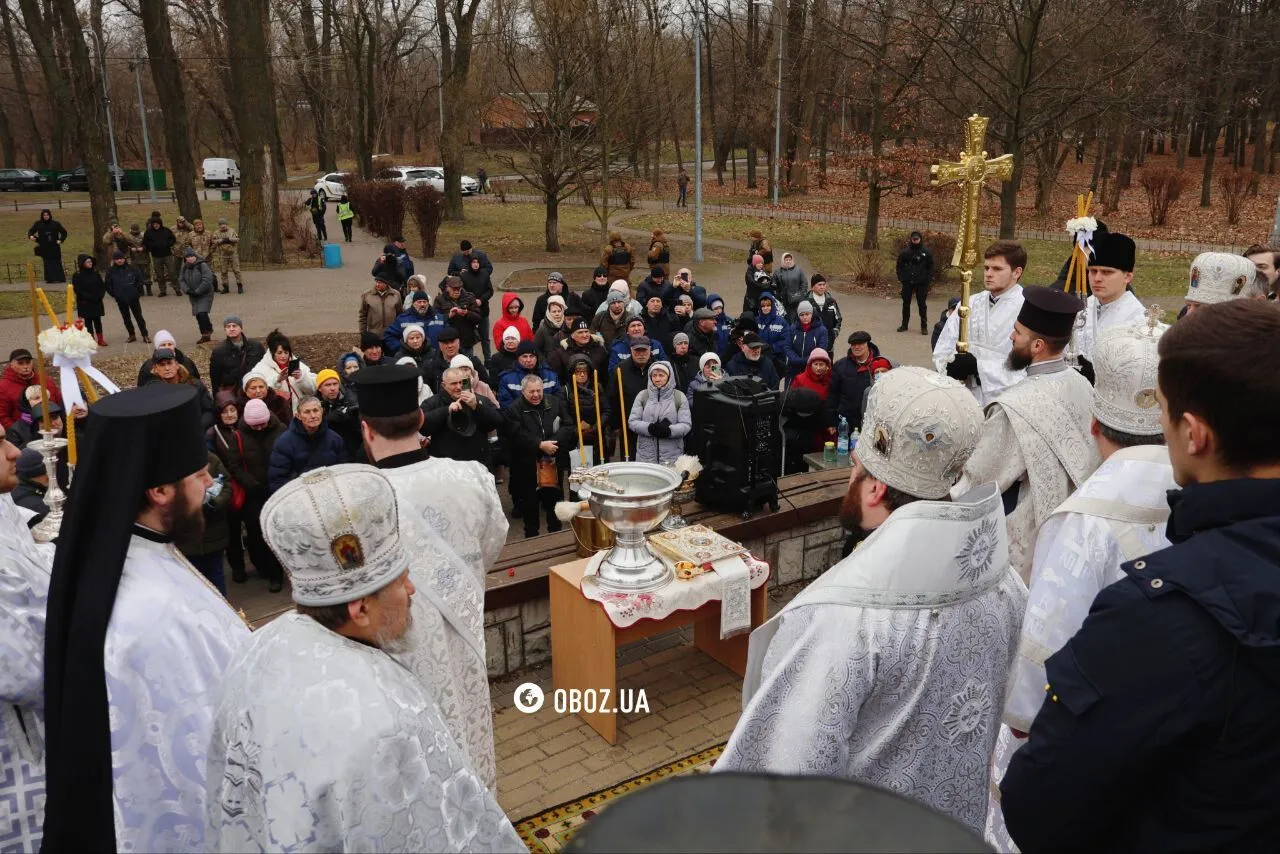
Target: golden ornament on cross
(973,169)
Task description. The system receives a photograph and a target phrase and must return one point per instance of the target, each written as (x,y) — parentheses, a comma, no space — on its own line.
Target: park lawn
(834,248)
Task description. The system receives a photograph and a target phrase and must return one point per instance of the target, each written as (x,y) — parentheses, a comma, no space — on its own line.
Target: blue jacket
(432,323)
(297,452)
(774,329)
(1158,729)
(621,350)
(724,323)
(801,342)
(508,387)
(741,366)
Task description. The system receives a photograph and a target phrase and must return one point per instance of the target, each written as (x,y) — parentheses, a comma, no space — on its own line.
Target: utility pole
(697,140)
(777,110)
(106,105)
(146,138)
(440,93)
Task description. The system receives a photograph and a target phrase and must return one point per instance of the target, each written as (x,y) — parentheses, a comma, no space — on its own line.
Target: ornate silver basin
(630,499)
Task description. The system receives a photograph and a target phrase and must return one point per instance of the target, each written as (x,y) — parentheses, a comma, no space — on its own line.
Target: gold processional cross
(973,170)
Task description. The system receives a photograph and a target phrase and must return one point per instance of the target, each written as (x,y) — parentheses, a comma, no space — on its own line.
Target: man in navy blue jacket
(1158,730)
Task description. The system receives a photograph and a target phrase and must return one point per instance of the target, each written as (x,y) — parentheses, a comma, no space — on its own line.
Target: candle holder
(683,495)
(48,446)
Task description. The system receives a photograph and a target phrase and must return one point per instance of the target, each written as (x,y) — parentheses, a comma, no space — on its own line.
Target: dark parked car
(24,179)
(77,180)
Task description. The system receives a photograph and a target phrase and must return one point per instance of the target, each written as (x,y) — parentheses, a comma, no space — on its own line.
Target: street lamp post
(106,105)
(146,138)
(697,141)
(777,116)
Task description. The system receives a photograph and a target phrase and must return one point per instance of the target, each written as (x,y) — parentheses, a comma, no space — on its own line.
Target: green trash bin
(226,195)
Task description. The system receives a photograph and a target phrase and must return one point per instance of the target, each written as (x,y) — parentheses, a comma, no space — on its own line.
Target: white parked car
(220,172)
(331,187)
(411,176)
(470,186)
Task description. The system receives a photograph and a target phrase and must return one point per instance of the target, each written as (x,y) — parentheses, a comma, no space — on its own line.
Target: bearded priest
(455,526)
(1117,515)
(137,639)
(1036,443)
(24,590)
(890,668)
(321,740)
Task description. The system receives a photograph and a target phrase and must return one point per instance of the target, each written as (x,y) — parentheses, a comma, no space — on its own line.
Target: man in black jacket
(851,377)
(462,259)
(448,345)
(1158,728)
(598,290)
(232,359)
(457,421)
(158,240)
(915,272)
(539,429)
(124,284)
(635,379)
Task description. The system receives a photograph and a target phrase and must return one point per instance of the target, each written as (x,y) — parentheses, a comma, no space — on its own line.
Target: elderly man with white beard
(890,668)
(321,740)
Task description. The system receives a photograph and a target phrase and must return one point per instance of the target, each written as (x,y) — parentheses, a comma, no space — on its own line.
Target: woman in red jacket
(512,305)
(816,376)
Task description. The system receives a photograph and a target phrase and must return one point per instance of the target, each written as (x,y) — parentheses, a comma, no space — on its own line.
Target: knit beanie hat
(325,375)
(256,413)
(233,318)
(679,338)
(708,357)
(622,286)
(615,297)
(412,327)
(805,307)
(757,259)
(511,333)
(555,299)
(164,337)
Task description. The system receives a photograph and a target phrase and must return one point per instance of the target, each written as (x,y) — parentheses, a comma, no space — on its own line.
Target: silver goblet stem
(48,446)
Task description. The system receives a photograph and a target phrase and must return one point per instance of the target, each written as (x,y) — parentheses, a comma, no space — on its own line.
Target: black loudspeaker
(737,438)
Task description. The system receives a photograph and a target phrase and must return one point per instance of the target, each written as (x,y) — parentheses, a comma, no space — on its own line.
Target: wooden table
(816,462)
(584,641)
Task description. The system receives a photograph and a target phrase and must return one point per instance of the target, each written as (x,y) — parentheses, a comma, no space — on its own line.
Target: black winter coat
(158,241)
(593,296)
(343,417)
(89,287)
(635,379)
(435,366)
(446,442)
(696,292)
(249,460)
(700,343)
(915,265)
(460,262)
(540,307)
(145,376)
(228,363)
(849,384)
(1158,730)
(124,283)
(741,366)
(527,426)
(480,285)
(297,452)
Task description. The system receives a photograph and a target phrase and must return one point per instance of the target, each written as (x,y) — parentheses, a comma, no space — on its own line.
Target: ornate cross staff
(973,170)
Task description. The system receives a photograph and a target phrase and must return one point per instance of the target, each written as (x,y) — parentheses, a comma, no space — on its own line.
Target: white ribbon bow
(70,383)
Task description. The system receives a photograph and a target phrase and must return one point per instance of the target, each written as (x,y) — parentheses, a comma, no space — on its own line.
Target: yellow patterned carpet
(550,831)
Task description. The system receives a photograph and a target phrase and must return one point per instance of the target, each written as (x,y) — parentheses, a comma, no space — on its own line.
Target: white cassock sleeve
(946,347)
(24,594)
(816,674)
(1076,557)
(493,524)
(997,457)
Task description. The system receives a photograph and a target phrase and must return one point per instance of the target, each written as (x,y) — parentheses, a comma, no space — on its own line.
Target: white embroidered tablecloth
(731,582)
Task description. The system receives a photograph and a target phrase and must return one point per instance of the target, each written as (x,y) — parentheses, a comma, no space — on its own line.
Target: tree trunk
(552,204)
(7,153)
(871,237)
(455,62)
(26,117)
(80,93)
(253,104)
(1210,154)
(312,74)
(1183,149)
(166,74)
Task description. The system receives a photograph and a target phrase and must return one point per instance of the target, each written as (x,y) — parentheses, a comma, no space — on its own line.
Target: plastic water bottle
(842,437)
(853,440)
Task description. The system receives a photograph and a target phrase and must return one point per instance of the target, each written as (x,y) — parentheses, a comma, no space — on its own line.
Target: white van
(220,172)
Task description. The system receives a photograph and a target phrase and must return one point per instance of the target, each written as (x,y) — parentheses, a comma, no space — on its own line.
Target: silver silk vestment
(25,568)
(891,667)
(321,743)
(454,528)
(990,325)
(1116,516)
(1037,436)
(1098,318)
(170,638)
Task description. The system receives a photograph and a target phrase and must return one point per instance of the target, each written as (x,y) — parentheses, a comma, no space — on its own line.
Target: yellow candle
(35,322)
(71,303)
(48,307)
(71,439)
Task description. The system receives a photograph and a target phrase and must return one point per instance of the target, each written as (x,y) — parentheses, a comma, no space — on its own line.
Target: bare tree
(26,117)
(166,74)
(455,23)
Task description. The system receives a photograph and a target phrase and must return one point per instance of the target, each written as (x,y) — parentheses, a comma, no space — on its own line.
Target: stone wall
(519,636)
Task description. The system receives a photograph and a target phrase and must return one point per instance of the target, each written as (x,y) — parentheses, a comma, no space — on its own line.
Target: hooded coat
(393,336)
(803,340)
(819,385)
(617,257)
(660,418)
(774,332)
(790,283)
(196,280)
(1157,732)
(89,288)
(505,320)
(298,452)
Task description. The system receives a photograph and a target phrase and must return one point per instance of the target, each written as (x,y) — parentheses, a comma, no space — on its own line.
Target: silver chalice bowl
(630,499)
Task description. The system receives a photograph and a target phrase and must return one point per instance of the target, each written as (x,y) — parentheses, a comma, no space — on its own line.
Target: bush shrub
(426,205)
(296,229)
(1163,184)
(1235,185)
(941,246)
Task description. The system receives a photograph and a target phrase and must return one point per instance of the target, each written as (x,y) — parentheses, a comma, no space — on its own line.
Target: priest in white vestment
(1111,304)
(322,742)
(1116,516)
(137,639)
(992,313)
(451,514)
(1035,441)
(24,590)
(890,668)
(1219,277)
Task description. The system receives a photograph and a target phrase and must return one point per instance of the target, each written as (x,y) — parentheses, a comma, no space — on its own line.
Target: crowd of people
(1035,460)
